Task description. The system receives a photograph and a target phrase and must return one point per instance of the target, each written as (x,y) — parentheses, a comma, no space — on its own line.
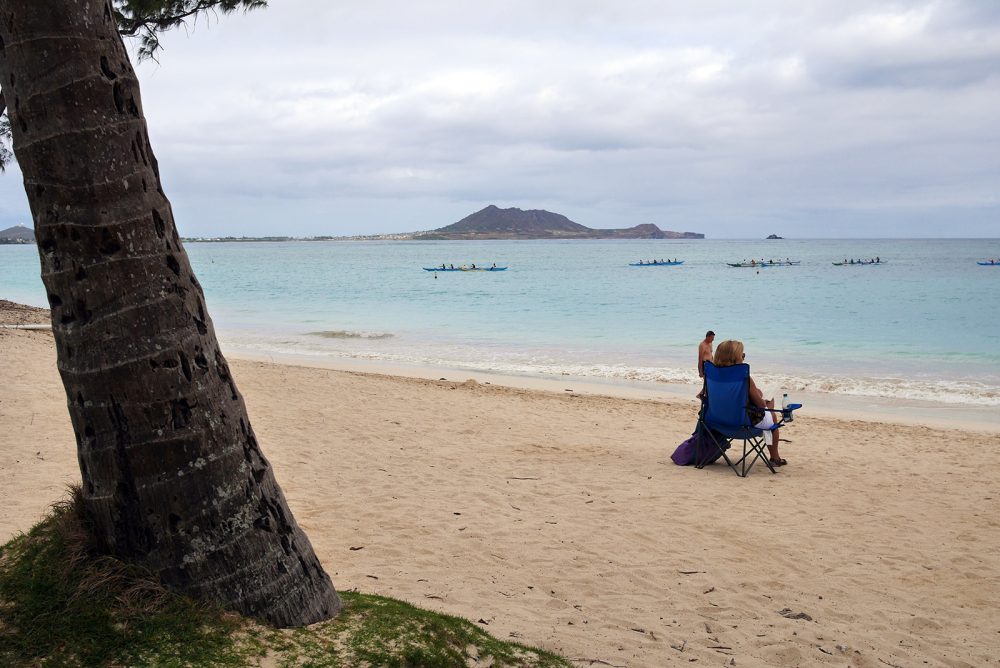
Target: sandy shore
(558,519)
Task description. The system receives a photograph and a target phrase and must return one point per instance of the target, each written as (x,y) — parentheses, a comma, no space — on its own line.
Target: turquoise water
(924,325)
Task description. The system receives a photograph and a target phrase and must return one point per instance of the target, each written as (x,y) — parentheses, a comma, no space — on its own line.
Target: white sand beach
(557,519)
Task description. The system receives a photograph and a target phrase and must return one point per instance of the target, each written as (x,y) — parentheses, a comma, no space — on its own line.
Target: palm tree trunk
(173,477)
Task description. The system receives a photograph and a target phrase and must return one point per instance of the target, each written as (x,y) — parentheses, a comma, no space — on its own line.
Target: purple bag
(684,454)
(697,449)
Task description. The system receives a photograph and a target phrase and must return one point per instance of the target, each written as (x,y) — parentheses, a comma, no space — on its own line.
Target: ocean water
(925,324)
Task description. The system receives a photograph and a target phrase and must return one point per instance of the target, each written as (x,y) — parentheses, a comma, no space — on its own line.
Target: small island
(513,223)
(19,234)
(492,223)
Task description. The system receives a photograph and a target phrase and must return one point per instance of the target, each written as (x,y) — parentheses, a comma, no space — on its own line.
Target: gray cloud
(834,118)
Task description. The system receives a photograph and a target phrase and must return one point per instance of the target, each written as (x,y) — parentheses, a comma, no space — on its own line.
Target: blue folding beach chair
(723,417)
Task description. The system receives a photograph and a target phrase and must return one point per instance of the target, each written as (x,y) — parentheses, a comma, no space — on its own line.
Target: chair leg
(759,446)
(740,467)
(744,462)
(753,449)
(703,431)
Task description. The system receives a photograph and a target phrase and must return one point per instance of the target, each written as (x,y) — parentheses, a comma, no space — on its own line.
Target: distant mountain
(18,234)
(513,223)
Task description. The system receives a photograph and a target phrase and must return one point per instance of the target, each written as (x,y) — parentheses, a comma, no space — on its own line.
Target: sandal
(778,462)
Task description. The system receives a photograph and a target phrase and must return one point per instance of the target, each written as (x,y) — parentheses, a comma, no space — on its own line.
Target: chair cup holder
(786,413)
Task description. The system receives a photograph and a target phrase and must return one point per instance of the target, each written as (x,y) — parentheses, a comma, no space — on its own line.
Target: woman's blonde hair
(728,353)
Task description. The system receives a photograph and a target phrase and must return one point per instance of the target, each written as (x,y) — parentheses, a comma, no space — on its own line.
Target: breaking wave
(347,334)
(522,363)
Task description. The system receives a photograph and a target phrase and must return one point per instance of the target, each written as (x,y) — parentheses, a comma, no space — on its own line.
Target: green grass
(62,605)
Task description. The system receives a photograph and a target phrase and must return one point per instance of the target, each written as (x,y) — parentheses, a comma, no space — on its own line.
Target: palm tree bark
(173,477)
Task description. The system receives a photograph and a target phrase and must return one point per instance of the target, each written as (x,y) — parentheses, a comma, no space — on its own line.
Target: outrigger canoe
(792,263)
(655,264)
(849,264)
(988,264)
(466,269)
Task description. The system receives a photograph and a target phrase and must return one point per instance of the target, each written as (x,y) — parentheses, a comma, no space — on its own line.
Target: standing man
(705,352)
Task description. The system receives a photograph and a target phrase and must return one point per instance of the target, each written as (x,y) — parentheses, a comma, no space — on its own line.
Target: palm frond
(146,19)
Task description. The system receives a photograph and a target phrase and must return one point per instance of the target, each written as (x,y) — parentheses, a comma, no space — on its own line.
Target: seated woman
(729,353)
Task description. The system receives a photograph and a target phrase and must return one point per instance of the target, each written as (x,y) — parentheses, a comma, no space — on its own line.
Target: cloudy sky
(809,119)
